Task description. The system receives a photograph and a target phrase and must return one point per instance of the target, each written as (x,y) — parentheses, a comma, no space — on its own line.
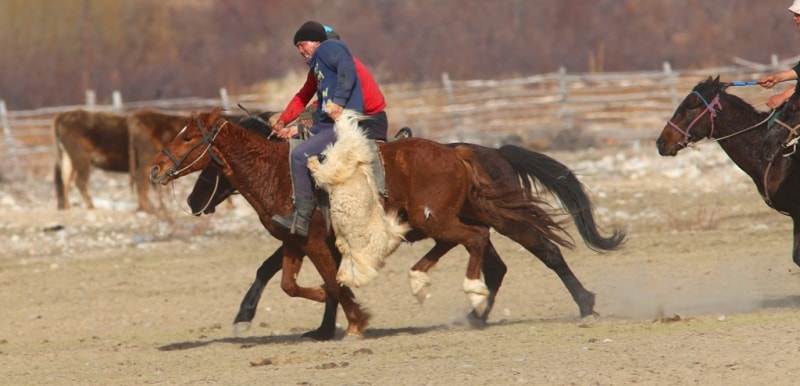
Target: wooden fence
(550,111)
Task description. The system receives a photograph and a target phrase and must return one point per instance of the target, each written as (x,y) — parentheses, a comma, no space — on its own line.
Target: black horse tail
(533,167)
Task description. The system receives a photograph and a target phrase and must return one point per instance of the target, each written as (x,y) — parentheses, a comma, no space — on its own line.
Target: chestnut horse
(710,112)
(508,163)
(432,200)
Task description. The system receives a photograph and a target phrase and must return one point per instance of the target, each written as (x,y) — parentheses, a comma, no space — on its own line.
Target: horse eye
(187,138)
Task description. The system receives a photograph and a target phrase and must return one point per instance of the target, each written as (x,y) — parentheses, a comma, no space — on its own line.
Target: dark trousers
(376,126)
(301,177)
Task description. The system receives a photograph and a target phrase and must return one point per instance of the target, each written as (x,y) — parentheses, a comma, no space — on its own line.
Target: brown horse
(84,139)
(508,163)
(432,201)
(259,170)
(509,166)
(710,112)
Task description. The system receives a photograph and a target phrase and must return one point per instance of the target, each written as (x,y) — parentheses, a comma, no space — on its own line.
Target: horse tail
(533,167)
(58,178)
(498,202)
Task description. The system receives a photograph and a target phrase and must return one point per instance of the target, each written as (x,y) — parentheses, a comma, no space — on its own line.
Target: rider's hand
(278,127)
(287,132)
(776,101)
(334,111)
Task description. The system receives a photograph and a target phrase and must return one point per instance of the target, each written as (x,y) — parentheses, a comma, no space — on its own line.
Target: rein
(793,136)
(210,197)
(208,139)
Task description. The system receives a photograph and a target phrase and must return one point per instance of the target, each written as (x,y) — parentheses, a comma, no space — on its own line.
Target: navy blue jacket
(337,81)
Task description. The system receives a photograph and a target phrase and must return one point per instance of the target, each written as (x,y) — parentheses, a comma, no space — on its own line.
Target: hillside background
(53,50)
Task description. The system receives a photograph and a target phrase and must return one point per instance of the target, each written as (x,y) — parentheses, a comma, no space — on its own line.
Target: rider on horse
(338,87)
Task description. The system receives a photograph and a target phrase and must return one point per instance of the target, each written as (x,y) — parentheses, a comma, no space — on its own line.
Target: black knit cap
(310,31)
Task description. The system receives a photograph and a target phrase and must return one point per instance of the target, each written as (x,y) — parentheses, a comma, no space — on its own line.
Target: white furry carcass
(365,233)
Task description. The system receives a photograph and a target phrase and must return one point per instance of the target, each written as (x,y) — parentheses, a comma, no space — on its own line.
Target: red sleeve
(374,102)
(300,100)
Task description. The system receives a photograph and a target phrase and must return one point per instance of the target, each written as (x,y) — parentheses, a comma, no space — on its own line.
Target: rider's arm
(300,100)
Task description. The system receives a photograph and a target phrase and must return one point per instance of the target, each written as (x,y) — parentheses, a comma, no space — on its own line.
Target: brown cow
(148,132)
(84,139)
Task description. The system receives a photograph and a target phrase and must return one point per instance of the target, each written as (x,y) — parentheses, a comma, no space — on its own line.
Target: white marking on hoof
(418,281)
(352,337)
(422,296)
(239,328)
(477,292)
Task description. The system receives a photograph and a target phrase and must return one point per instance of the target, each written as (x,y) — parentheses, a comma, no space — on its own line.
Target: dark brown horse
(432,200)
(710,112)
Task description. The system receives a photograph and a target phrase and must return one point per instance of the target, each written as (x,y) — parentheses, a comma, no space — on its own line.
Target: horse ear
(214,115)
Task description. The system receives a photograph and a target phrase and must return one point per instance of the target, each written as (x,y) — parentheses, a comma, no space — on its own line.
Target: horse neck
(740,133)
(258,168)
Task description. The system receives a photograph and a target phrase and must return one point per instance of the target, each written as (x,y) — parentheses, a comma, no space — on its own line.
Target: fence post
(12,148)
(451,99)
(91,99)
(223,95)
(563,88)
(116,100)
(672,80)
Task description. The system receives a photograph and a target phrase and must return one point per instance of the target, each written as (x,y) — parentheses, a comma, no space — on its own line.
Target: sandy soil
(705,292)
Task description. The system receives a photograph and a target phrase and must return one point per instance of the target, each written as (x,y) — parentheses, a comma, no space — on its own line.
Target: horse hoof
(590,320)
(353,336)
(476,321)
(317,335)
(422,296)
(239,328)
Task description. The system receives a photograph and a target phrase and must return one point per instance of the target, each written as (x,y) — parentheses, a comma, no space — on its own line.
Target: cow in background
(116,143)
(148,132)
(84,139)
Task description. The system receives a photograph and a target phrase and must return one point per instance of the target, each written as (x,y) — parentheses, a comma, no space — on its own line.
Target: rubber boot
(297,222)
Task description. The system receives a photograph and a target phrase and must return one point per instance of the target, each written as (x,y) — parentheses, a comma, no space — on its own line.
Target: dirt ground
(705,292)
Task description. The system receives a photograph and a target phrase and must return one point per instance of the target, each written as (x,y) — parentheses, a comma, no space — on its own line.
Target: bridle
(711,109)
(207,140)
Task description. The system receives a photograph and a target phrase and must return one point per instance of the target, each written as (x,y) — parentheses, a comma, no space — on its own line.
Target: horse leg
(474,286)
(418,277)
(796,245)
(292,261)
(494,270)
(549,253)
(247,309)
(357,318)
(327,328)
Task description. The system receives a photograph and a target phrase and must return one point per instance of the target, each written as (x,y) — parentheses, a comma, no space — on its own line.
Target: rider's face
(307,49)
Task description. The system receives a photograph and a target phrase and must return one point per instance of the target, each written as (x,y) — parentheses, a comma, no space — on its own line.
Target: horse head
(190,150)
(212,187)
(693,120)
